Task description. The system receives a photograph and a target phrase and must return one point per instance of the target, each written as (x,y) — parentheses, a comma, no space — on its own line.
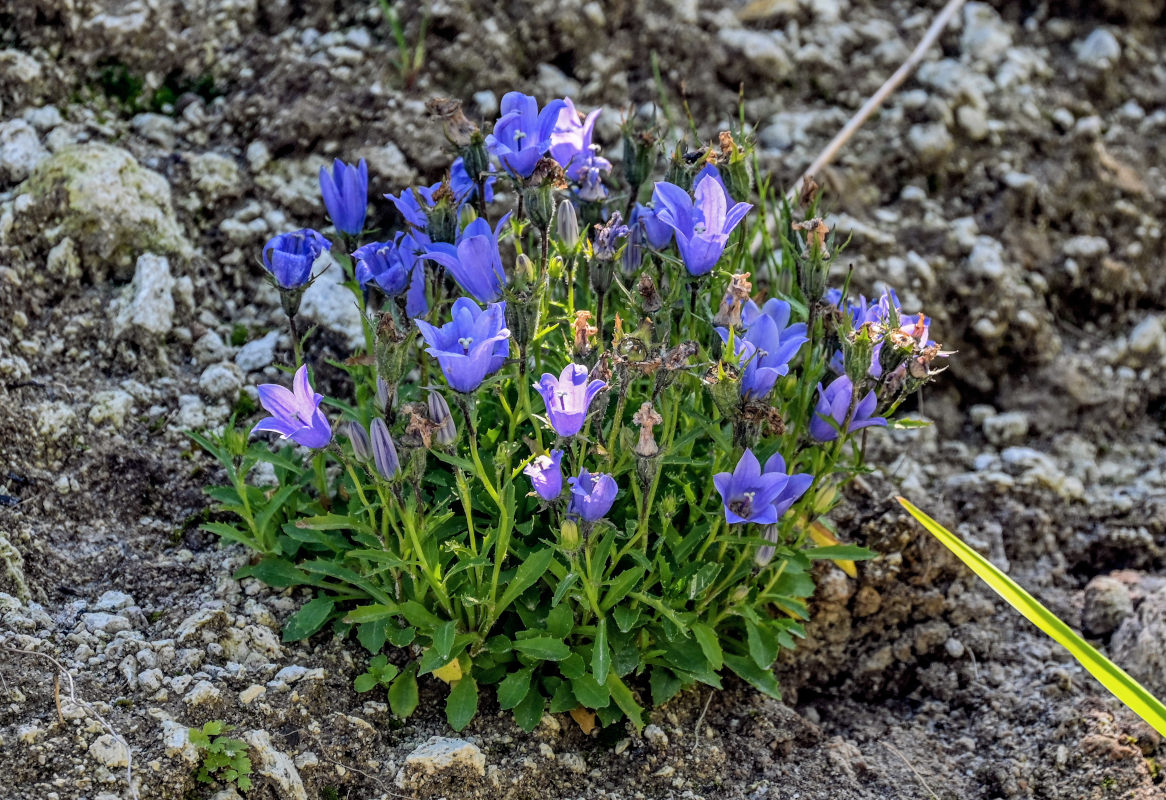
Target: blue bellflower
(766,350)
(571,143)
(568,397)
(384,451)
(409,206)
(474,262)
(523,133)
(795,485)
(591,495)
(393,266)
(345,194)
(471,346)
(295,415)
(546,474)
(702,223)
(748,494)
(834,404)
(289,256)
(657,232)
(463,185)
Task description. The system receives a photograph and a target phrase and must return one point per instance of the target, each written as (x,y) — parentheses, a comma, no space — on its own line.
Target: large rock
(276,766)
(442,757)
(110,206)
(1139,644)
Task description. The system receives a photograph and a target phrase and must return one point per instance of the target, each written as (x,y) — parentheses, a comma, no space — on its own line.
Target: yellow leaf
(584,719)
(450,672)
(823,538)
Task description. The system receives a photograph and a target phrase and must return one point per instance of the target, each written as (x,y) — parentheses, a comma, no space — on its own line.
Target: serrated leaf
(626,701)
(564,586)
(563,699)
(372,635)
(709,643)
(529,571)
(308,619)
(761,679)
(621,586)
(665,685)
(365,683)
(462,703)
(590,692)
(763,645)
(572,666)
(702,580)
(374,612)
(274,571)
(625,617)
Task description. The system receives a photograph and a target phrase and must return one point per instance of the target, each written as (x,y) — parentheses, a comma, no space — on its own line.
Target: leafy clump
(586,460)
(223,759)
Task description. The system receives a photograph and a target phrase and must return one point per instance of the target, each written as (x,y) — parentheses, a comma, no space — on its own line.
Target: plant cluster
(222,759)
(596,430)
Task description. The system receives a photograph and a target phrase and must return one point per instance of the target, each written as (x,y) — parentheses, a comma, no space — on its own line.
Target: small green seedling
(224,759)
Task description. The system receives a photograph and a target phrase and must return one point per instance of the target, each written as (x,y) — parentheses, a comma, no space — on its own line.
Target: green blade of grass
(1112,677)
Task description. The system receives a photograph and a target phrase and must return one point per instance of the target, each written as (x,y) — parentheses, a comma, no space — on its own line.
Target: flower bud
(466,215)
(442,217)
(824,500)
(524,272)
(474,156)
(384,452)
(734,162)
(361,444)
(540,205)
(678,172)
(633,252)
(567,225)
(445,432)
(569,535)
(766,552)
(384,395)
(739,594)
(724,382)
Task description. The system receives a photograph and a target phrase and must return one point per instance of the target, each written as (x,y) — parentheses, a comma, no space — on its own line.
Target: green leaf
(625,617)
(564,586)
(275,571)
(462,703)
(907,423)
(561,621)
(374,612)
(365,683)
(403,697)
(544,648)
(1111,676)
(572,666)
(419,616)
(529,713)
(620,586)
(563,699)
(308,619)
(331,522)
(709,643)
(841,552)
(702,580)
(529,571)
(760,679)
(264,517)
(230,533)
(372,635)
(763,645)
(665,685)
(600,652)
(590,692)
(401,637)
(514,688)
(626,701)
(443,638)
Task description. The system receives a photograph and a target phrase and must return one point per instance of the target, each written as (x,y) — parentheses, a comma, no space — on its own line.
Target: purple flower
(834,404)
(463,185)
(295,415)
(289,256)
(567,398)
(393,266)
(523,133)
(795,485)
(474,261)
(546,474)
(657,232)
(470,347)
(346,195)
(571,142)
(384,452)
(358,437)
(606,236)
(765,349)
(591,495)
(748,494)
(409,206)
(702,223)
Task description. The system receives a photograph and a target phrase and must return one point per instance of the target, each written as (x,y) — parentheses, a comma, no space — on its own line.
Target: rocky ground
(1013,187)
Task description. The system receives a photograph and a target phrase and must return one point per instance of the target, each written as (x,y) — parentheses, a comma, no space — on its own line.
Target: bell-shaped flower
(657,232)
(465,188)
(568,397)
(834,406)
(408,204)
(295,414)
(795,485)
(472,346)
(523,133)
(474,261)
(345,193)
(591,495)
(702,223)
(289,256)
(572,145)
(393,267)
(749,494)
(765,350)
(546,474)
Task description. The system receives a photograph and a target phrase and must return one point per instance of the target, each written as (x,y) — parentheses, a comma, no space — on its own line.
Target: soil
(1013,188)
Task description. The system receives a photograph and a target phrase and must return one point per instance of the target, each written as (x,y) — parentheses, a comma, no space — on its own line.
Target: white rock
(150,680)
(221,380)
(987,259)
(112,407)
(487,103)
(932,142)
(20,151)
(1148,337)
(55,419)
(109,751)
(1099,50)
(441,753)
(176,741)
(1011,426)
(275,765)
(113,601)
(150,308)
(252,693)
(973,122)
(202,693)
(102,621)
(257,354)
(291,673)
(157,128)
(1085,247)
(985,37)
(210,348)
(762,49)
(215,176)
(330,304)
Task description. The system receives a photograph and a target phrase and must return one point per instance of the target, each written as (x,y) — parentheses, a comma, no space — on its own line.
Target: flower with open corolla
(345,193)
(702,223)
(295,414)
(465,185)
(393,267)
(657,232)
(289,256)
(523,133)
(765,350)
(834,406)
(749,494)
(572,145)
(472,346)
(474,261)
(546,474)
(796,485)
(592,495)
(568,397)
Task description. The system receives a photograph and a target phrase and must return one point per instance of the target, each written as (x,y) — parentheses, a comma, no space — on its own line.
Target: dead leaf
(584,718)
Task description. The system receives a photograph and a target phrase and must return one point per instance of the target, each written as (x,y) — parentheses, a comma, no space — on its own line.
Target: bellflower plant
(438,526)
(345,193)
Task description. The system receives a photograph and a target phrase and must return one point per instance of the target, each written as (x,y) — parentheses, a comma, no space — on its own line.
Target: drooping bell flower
(289,256)
(345,193)
(747,493)
(568,397)
(523,133)
(546,474)
(834,405)
(592,495)
(472,346)
(295,414)
(474,261)
(702,223)
(571,142)
(408,203)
